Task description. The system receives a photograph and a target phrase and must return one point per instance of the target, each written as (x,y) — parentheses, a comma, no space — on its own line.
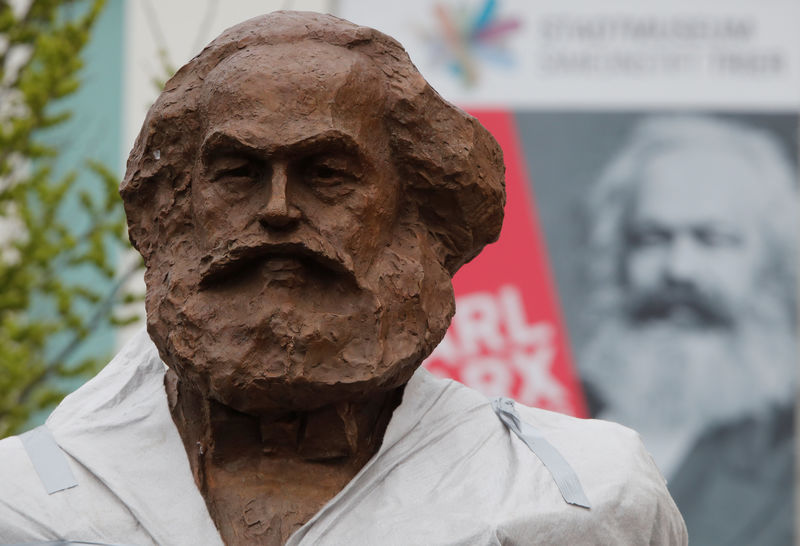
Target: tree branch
(94,321)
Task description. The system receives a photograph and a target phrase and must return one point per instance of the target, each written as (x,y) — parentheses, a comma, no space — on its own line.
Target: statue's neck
(278,468)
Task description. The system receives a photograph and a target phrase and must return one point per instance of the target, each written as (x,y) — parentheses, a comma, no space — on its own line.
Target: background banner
(646,272)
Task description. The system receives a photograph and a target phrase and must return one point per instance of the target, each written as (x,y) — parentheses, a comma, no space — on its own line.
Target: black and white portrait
(673,240)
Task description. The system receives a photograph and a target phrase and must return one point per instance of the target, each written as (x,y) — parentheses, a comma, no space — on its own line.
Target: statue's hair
(776,205)
(450,166)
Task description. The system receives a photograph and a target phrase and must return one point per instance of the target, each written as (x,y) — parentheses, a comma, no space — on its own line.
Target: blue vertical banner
(93,133)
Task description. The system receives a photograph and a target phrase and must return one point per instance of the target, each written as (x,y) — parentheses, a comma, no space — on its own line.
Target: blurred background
(647,268)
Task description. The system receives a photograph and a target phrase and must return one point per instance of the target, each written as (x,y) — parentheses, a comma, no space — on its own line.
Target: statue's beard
(287,329)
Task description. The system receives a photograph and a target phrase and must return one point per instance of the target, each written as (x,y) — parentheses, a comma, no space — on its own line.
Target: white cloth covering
(448,472)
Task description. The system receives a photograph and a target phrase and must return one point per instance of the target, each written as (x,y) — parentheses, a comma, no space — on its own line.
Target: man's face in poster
(694,319)
(692,249)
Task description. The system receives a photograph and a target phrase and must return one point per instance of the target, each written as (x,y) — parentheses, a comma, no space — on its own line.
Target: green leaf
(52,299)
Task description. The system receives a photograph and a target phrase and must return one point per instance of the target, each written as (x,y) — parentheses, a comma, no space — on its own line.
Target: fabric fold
(567,481)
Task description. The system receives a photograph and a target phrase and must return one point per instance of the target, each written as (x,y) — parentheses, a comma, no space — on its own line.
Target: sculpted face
(309,282)
(294,150)
(694,253)
(301,198)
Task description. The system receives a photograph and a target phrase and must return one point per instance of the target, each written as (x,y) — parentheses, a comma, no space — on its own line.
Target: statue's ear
(156,190)
(158,208)
(454,171)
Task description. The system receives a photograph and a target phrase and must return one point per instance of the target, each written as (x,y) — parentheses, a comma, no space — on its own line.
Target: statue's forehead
(305,64)
(302,89)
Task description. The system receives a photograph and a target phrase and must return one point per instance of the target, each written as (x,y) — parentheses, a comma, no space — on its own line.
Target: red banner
(507,337)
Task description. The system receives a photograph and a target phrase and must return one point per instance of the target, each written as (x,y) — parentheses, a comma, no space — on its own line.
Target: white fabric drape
(448,472)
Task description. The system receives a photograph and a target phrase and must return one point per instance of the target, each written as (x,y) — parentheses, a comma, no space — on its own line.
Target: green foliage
(58,280)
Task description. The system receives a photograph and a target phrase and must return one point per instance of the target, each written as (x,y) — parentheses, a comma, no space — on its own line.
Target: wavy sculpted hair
(451,167)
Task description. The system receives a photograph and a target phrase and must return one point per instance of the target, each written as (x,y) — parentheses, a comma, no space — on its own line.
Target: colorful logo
(466,36)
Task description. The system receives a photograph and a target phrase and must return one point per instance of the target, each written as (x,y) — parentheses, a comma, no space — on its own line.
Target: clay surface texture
(301,198)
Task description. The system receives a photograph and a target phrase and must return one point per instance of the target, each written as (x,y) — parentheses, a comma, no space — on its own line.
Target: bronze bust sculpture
(310,248)
(301,198)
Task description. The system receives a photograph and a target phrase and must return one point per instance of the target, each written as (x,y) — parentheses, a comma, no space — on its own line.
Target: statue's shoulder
(133,378)
(594,441)
(29,512)
(25,513)
(133,484)
(81,508)
(625,488)
(627,494)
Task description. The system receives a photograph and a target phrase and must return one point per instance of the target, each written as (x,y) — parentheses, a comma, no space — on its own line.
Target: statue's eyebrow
(331,140)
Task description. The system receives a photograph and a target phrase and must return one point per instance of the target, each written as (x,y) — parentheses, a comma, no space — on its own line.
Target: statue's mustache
(219,265)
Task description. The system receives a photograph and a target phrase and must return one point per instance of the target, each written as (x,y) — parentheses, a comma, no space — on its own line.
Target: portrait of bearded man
(301,198)
(692,248)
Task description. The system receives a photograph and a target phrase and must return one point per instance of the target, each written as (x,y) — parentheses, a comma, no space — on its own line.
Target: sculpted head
(301,198)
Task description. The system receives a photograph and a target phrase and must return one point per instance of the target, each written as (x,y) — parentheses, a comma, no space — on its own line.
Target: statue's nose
(279,212)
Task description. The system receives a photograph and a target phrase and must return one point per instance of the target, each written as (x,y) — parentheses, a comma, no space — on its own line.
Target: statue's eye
(239,172)
(323,172)
(329,171)
(235,170)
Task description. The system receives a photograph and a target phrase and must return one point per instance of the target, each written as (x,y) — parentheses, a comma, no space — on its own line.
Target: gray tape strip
(566,480)
(48,460)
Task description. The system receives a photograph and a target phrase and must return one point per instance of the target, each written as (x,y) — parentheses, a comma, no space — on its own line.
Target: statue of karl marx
(301,198)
